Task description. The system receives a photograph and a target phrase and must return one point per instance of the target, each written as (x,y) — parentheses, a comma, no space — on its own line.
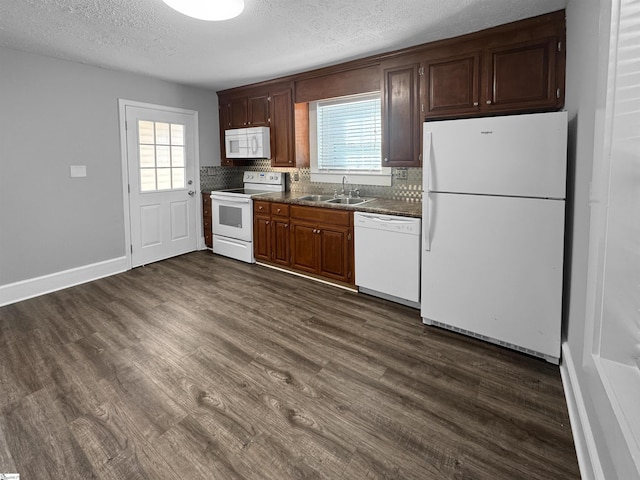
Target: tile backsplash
(299,180)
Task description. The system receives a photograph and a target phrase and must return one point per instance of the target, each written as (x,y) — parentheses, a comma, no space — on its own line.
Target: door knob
(191,193)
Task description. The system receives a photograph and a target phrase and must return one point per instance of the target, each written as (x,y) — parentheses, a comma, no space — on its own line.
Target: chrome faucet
(344,180)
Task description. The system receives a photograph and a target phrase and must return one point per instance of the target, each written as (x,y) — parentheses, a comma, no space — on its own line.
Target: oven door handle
(230,200)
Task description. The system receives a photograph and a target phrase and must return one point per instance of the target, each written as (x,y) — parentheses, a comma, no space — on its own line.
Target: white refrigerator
(493,229)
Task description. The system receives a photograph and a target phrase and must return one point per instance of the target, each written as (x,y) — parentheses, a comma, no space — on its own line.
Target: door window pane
(177,156)
(161,156)
(162,133)
(177,134)
(164,178)
(147,156)
(177,177)
(146,130)
(148,180)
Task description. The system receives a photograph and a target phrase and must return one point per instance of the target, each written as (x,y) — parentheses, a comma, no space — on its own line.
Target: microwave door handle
(254,144)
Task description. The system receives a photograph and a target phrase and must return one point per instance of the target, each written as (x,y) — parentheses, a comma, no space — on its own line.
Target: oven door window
(233,219)
(230,216)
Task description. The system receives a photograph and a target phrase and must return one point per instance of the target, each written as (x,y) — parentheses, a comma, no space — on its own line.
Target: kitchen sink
(349,200)
(316,198)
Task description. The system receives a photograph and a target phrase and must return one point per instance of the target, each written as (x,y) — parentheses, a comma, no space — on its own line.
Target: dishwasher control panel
(390,223)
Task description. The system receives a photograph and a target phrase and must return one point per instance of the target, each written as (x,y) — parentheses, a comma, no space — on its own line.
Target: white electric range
(232,214)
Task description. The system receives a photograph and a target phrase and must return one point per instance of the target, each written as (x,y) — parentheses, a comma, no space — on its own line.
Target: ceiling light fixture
(208,9)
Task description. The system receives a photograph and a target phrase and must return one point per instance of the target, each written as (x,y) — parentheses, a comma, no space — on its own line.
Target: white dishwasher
(387,257)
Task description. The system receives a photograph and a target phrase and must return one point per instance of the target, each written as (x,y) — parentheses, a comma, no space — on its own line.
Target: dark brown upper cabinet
(522,76)
(451,84)
(513,68)
(251,111)
(401,116)
(282,129)
(269,106)
(238,112)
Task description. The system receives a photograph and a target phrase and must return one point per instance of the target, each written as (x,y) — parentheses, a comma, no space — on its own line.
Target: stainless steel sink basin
(316,198)
(349,200)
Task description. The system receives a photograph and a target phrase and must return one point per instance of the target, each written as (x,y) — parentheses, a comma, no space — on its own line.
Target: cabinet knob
(488,102)
(267,222)
(260,207)
(386,160)
(475,104)
(290,161)
(278,210)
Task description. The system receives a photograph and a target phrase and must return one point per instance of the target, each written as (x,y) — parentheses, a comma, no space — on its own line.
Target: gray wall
(55,114)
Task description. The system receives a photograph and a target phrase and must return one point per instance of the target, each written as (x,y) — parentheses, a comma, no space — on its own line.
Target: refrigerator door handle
(426,224)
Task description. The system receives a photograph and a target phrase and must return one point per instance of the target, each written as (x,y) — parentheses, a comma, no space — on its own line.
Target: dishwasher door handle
(386,220)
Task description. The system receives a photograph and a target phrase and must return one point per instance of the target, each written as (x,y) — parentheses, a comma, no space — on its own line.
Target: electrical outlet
(402,174)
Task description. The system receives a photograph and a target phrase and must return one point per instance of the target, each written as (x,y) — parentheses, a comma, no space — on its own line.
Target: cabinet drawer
(280,209)
(321,215)
(261,207)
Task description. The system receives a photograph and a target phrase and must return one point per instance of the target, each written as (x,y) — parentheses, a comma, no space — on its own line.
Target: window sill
(381,179)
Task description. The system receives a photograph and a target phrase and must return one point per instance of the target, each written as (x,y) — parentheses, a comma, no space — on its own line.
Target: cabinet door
(303,246)
(206,219)
(401,117)
(333,258)
(451,86)
(282,134)
(262,237)
(522,77)
(280,241)
(258,114)
(223,114)
(238,111)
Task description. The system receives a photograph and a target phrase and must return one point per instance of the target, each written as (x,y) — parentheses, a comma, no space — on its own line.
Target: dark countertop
(384,206)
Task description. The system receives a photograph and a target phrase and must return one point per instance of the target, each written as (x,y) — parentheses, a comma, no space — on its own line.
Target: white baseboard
(33,287)
(586,451)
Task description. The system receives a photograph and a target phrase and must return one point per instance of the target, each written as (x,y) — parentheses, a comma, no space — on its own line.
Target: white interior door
(161,152)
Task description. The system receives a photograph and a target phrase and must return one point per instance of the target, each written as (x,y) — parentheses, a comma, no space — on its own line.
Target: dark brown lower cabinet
(322,242)
(207,220)
(312,240)
(271,232)
(280,240)
(262,237)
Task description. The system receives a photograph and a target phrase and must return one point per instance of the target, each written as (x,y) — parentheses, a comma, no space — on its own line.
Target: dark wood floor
(202,367)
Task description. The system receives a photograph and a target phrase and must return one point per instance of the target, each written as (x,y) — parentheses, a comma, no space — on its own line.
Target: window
(345,138)
(162,164)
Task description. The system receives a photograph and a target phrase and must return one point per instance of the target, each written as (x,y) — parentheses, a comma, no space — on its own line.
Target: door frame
(122,104)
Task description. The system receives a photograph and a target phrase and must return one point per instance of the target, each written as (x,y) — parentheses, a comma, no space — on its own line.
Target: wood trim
(301,129)
(326,216)
(543,25)
(339,84)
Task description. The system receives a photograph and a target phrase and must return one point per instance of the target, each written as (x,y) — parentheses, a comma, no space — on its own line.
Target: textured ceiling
(269,39)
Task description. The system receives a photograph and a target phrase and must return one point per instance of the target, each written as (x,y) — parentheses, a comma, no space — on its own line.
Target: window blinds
(349,135)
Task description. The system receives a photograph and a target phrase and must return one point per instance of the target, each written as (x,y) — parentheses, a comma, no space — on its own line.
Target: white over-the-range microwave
(253,142)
